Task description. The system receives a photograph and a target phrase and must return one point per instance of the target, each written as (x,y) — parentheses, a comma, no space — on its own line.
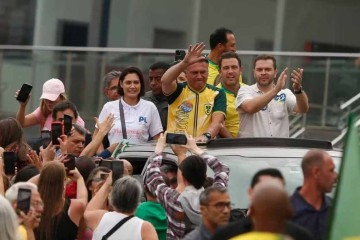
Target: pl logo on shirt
(142,119)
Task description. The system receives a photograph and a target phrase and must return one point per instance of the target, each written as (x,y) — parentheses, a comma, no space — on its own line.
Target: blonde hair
(45,111)
(8,221)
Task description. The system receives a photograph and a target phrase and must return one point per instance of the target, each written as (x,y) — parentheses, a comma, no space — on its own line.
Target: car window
(243,169)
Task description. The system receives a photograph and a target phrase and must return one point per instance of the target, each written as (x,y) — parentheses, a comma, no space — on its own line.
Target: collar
(227,91)
(324,205)
(193,90)
(204,232)
(130,106)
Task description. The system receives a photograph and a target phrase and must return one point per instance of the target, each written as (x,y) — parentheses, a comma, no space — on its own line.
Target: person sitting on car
(182,205)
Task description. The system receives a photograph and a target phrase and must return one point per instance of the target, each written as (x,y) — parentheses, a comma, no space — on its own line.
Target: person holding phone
(28,195)
(12,140)
(57,209)
(182,204)
(53,93)
(141,118)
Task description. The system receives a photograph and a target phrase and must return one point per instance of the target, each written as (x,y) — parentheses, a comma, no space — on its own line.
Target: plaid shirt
(168,197)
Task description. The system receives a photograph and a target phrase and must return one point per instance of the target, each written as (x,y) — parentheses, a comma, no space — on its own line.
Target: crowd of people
(79,189)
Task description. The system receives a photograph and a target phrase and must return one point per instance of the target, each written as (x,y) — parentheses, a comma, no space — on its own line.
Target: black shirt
(245,225)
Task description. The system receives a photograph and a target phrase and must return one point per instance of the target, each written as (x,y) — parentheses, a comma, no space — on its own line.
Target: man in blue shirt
(310,204)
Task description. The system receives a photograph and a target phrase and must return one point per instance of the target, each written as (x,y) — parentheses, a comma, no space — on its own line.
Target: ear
(203,210)
(240,69)
(315,171)
(249,193)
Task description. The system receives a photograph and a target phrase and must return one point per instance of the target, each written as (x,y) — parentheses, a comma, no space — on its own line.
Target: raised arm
(254,105)
(94,212)
(103,129)
(28,120)
(302,102)
(221,171)
(168,80)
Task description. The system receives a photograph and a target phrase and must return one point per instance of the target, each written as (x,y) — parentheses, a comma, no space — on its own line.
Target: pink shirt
(47,126)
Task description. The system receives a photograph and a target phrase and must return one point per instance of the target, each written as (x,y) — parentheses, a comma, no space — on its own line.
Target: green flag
(344,223)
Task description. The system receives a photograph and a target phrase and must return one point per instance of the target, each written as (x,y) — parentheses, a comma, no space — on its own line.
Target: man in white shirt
(265,106)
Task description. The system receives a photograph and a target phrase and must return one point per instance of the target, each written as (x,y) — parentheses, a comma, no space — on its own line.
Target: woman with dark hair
(12,139)
(61,217)
(141,118)
(53,93)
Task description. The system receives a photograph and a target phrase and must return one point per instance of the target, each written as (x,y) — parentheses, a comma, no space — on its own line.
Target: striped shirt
(169,198)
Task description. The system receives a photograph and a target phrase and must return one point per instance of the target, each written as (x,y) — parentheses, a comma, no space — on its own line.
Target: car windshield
(242,169)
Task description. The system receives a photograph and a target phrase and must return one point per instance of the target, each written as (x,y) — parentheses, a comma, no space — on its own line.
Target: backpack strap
(122,119)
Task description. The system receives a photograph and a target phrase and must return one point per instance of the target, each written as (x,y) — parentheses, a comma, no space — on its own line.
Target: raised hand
(22,103)
(106,125)
(194,53)
(280,84)
(161,143)
(296,78)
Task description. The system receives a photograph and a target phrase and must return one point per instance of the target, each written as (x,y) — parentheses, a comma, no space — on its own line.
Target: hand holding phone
(24,93)
(23,200)
(176,138)
(69,163)
(56,131)
(179,55)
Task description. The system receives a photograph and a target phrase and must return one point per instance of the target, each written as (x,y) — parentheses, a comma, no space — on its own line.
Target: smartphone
(179,55)
(70,164)
(24,92)
(23,200)
(9,163)
(67,124)
(45,138)
(106,163)
(176,138)
(56,131)
(117,170)
(104,176)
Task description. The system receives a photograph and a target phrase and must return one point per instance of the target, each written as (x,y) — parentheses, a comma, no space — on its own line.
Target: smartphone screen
(45,138)
(70,163)
(9,163)
(24,92)
(23,200)
(117,169)
(56,132)
(179,55)
(67,124)
(106,163)
(176,138)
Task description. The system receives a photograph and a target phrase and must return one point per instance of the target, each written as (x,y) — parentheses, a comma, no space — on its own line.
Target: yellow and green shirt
(191,111)
(214,72)
(232,122)
(260,236)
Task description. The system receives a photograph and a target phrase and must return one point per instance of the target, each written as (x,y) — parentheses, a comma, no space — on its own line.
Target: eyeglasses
(114,88)
(220,205)
(37,204)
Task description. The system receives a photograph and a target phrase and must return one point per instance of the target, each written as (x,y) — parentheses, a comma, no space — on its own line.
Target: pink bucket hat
(52,89)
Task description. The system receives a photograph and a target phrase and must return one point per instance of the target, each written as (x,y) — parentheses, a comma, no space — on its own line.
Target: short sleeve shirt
(142,121)
(232,122)
(49,119)
(191,111)
(272,120)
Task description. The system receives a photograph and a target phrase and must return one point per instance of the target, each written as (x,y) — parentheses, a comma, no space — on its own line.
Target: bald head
(313,158)
(127,166)
(270,204)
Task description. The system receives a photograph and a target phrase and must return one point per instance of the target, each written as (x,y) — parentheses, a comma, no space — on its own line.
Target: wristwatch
(299,91)
(207,135)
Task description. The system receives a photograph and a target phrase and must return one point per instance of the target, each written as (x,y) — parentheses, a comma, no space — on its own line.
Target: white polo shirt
(142,121)
(272,120)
